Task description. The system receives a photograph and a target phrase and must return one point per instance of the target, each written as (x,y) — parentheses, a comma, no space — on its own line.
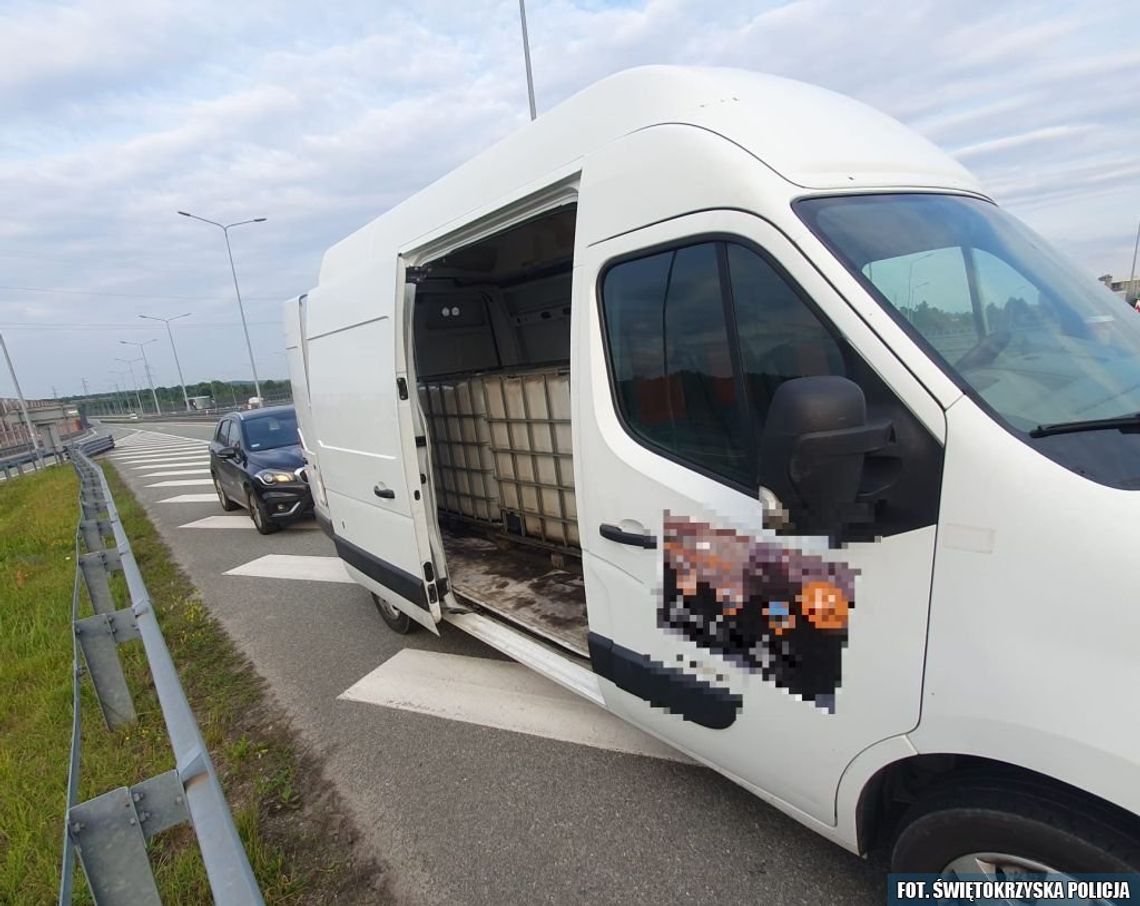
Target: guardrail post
(111,845)
(97,566)
(99,638)
(95,532)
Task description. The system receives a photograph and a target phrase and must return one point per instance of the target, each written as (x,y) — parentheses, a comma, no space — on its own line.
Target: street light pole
(146,371)
(134,381)
(225,228)
(177,364)
(121,397)
(32,435)
(526,58)
(910,278)
(1132,279)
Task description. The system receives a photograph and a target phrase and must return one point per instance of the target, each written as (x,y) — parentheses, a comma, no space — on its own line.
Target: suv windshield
(266,432)
(1035,339)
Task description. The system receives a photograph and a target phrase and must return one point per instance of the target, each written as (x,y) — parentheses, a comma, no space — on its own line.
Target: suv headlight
(270,477)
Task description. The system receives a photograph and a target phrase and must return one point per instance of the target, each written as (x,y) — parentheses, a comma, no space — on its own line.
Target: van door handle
(636,539)
(386,493)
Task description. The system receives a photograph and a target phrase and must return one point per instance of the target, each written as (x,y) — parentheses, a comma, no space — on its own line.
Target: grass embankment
(287,816)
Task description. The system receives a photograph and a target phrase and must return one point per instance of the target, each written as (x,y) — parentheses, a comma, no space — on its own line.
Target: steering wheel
(984,351)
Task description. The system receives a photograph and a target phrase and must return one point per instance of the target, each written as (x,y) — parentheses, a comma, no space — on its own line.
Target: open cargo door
(366,445)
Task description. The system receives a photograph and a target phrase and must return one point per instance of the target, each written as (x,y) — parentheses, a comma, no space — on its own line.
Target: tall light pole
(177,364)
(134,380)
(910,277)
(146,370)
(225,228)
(32,435)
(121,397)
(1132,279)
(526,58)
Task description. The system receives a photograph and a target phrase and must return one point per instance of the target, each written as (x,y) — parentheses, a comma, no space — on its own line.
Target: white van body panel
(954,669)
(1022,641)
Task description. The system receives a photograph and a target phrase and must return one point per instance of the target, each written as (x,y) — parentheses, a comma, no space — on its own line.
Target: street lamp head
(260,219)
(185,214)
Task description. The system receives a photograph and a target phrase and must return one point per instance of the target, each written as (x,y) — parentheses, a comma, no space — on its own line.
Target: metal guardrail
(12,466)
(109,833)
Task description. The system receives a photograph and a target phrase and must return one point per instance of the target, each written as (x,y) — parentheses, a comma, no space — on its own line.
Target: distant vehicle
(740,409)
(255,402)
(256,462)
(202,403)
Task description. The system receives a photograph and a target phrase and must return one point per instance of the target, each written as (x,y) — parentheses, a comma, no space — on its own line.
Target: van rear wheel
(1002,828)
(397,621)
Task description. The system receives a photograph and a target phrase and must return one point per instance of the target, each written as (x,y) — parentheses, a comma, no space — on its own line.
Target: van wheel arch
(893,789)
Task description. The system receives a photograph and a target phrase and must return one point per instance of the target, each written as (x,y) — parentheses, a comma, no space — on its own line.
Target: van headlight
(270,477)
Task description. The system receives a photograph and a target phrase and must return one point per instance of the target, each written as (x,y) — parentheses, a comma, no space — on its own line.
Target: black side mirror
(227,453)
(811,452)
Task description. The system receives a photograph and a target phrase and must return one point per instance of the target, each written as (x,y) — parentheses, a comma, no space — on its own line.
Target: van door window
(780,337)
(693,381)
(672,363)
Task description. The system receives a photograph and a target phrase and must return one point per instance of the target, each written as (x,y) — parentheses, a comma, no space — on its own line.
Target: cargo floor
(520,584)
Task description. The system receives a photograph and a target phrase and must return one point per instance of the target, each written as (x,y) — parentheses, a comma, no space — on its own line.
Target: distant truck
(202,403)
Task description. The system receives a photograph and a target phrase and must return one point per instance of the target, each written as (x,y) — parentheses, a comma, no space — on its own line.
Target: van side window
(700,338)
(672,364)
(780,337)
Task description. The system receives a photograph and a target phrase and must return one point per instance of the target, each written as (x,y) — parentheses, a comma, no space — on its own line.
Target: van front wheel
(397,620)
(1002,829)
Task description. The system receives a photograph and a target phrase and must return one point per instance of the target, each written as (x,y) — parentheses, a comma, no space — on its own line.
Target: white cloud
(319,118)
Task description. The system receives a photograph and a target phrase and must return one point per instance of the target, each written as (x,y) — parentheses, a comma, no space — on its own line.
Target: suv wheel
(261,520)
(228,505)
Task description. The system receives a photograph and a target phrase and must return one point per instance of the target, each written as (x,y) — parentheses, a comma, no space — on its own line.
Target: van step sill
(560,668)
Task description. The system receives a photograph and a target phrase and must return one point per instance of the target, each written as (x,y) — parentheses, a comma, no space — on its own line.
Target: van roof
(812,137)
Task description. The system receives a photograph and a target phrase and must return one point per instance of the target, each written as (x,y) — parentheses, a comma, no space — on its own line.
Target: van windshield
(1034,338)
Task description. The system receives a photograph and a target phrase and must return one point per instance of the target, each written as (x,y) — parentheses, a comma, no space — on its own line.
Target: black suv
(256,462)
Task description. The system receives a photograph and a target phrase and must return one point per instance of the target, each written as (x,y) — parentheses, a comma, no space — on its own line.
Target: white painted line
(240,521)
(150,448)
(192,498)
(499,694)
(164,445)
(156,456)
(294,566)
(183,483)
(164,455)
(171,463)
(176,472)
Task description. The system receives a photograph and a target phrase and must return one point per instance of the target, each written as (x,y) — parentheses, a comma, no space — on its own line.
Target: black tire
(1035,826)
(396,620)
(228,505)
(261,520)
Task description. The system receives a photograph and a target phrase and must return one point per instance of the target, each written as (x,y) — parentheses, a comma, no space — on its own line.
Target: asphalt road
(462,813)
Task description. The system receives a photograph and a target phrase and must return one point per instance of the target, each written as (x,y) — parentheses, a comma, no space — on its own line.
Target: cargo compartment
(492,351)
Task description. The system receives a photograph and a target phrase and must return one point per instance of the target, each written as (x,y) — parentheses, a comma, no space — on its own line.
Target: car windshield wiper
(1092,424)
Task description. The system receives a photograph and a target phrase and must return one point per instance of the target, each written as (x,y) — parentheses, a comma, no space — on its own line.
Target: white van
(739,409)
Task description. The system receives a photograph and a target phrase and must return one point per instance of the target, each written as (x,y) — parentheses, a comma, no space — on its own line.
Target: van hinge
(402,387)
(416,275)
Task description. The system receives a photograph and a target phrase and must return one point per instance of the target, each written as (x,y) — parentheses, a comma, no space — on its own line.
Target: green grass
(285,812)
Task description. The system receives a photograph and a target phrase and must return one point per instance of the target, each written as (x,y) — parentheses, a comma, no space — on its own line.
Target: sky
(116,114)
